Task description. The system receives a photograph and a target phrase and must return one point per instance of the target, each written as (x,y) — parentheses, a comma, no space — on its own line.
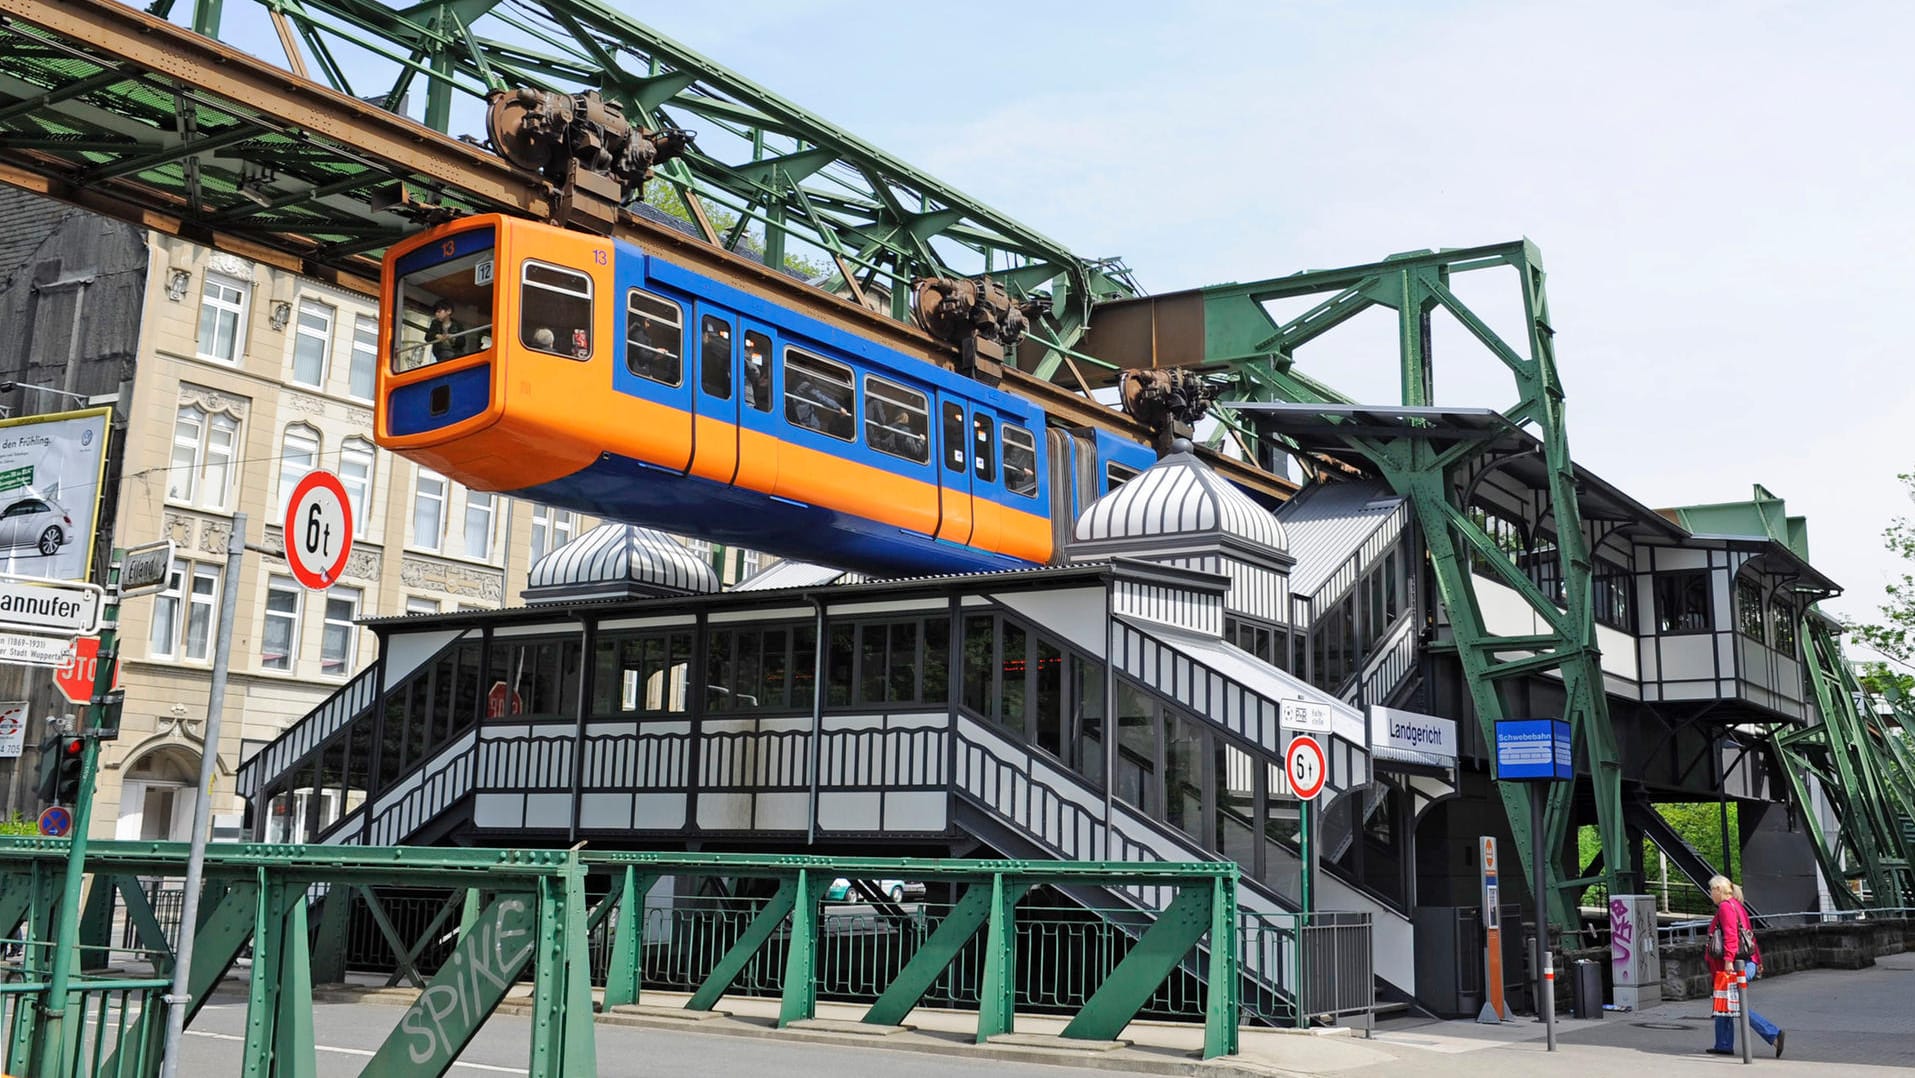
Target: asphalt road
(348,1033)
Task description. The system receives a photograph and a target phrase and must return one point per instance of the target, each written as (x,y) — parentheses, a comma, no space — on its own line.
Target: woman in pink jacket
(1731,917)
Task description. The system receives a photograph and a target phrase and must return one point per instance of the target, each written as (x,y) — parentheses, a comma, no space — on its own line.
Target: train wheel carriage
(585,373)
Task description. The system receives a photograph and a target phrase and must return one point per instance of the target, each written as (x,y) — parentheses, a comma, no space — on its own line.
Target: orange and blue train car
(586,373)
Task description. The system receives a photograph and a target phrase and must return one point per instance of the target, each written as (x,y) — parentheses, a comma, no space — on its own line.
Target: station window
(897,420)
(1116,475)
(444,311)
(555,310)
(1784,612)
(1020,461)
(714,357)
(985,462)
(1682,602)
(1749,610)
(654,338)
(954,437)
(818,395)
(758,371)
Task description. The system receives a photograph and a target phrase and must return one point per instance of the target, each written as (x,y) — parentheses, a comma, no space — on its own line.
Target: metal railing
(120,1018)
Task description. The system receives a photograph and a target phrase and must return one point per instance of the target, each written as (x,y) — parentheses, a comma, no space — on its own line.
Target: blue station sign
(1534,750)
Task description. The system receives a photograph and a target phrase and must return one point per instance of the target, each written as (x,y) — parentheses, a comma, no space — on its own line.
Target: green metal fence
(485,920)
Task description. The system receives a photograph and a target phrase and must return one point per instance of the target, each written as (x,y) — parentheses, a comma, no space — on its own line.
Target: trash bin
(1585,990)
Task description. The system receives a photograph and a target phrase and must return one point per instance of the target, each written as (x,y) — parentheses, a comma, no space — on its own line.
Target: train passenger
(446,334)
(757,377)
(715,366)
(544,340)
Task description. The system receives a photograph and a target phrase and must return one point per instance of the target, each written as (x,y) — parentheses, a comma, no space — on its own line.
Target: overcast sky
(1721,192)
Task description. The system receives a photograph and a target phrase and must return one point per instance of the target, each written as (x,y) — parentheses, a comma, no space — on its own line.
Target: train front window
(555,310)
(818,395)
(1020,461)
(654,338)
(896,420)
(444,311)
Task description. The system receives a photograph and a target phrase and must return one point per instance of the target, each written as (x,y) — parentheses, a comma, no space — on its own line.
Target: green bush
(18,825)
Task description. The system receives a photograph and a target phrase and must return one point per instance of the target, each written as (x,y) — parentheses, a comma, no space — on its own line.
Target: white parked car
(35,523)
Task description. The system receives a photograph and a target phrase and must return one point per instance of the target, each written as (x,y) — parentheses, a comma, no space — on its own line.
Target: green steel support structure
(529,911)
(1425,457)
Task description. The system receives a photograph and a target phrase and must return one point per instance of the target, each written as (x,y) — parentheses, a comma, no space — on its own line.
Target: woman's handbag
(1727,1001)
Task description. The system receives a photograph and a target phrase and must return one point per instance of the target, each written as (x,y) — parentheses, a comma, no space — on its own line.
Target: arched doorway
(156,796)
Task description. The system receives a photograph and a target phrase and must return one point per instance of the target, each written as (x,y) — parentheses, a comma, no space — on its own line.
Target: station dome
(619,561)
(1180,497)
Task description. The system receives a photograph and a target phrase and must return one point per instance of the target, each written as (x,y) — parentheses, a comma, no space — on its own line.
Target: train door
(651,367)
(715,394)
(759,433)
(986,491)
(954,471)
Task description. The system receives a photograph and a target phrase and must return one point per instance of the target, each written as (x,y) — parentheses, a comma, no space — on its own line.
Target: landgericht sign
(1412,731)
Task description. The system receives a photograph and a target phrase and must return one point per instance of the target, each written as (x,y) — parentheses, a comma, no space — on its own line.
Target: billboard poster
(52,468)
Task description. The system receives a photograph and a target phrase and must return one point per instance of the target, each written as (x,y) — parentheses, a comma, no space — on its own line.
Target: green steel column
(548,1000)
(937,952)
(997,996)
(578,1044)
(1171,936)
(1221,980)
(749,942)
(800,1000)
(624,975)
(206,17)
(294,1050)
(483,967)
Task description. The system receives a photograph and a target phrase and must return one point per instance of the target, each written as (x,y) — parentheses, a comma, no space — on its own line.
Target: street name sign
(144,569)
(50,608)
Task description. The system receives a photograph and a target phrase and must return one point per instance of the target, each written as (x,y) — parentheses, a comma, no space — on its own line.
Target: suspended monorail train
(588,373)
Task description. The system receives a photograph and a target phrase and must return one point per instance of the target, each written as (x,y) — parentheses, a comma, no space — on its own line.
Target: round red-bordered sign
(1305,765)
(318,530)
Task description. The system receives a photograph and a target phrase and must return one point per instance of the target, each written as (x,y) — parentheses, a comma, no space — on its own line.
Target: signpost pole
(51,1049)
(181,995)
(1545,960)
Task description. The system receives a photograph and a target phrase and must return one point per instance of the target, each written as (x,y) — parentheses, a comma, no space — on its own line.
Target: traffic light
(62,761)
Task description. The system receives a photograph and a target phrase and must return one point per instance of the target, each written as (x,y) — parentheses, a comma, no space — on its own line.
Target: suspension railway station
(1040,654)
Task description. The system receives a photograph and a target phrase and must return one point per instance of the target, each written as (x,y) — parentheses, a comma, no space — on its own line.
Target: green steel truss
(1425,458)
(765,175)
(534,910)
(1861,763)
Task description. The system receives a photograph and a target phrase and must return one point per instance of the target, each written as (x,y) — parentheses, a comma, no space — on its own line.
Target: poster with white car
(51,470)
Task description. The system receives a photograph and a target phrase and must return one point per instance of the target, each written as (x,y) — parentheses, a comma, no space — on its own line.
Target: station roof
(1179,496)
(619,561)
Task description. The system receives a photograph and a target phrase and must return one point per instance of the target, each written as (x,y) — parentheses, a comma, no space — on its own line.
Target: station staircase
(1016,799)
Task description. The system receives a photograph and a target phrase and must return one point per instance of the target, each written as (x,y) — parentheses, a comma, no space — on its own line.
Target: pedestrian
(1731,947)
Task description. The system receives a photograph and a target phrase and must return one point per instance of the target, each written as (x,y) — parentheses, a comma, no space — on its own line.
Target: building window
(312,342)
(355,473)
(340,644)
(201,612)
(298,454)
(202,463)
(365,356)
(1749,610)
(1505,534)
(1613,589)
(1784,612)
(748,562)
(279,644)
(222,317)
(479,508)
(419,605)
(163,638)
(429,510)
(551,529)
(1682,602)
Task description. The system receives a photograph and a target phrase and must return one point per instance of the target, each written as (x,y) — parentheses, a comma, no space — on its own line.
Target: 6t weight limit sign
(318,530)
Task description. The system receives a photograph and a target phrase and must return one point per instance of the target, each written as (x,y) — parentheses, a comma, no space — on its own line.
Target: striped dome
(617,561)
(1179,495)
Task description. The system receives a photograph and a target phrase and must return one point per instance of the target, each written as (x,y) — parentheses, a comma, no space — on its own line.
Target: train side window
(1116,475)
(555,310)
(954,437)
(1020,461)
(758,371)
(984,452)
(714,363)
(896,420)
(818,395)
(654,338)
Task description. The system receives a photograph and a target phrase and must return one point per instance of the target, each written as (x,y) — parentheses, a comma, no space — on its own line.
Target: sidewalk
(1838,1022)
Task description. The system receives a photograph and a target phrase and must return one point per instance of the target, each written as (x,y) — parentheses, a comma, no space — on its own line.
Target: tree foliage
(662,195)
(1894,634)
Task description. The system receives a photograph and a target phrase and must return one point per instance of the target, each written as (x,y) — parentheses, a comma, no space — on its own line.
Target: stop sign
(75,676)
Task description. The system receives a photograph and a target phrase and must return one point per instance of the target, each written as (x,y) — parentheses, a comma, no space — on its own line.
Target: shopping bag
(1728,998)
